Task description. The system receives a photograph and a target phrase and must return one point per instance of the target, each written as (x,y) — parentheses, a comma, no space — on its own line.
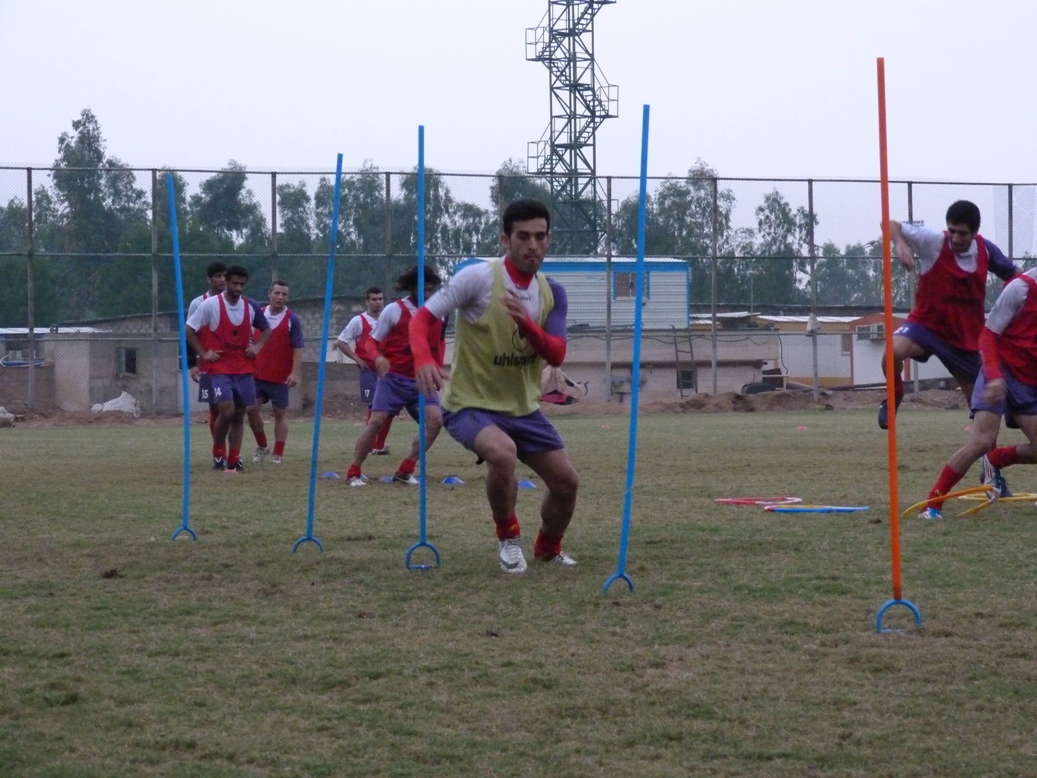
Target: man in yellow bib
(511,320)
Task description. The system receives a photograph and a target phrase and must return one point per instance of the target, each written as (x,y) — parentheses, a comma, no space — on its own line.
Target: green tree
(780,248)
(101,212)
(681,216)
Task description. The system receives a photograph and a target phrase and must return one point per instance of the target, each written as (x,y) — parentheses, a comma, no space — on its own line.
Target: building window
(624,285)
(686,378)
(126,361)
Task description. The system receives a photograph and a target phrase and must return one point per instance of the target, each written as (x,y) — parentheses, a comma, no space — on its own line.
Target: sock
(234,456)
(383,433)
(1003,457)
(219,452)
(261,440)
(353,472)
(948,478)
(507,528)
(278,447)
(406,467)
(547,547)
(898,387)
(214,413)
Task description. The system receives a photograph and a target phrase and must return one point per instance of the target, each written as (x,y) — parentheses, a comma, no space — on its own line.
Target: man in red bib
(220,332)
(949,303)
(277,368)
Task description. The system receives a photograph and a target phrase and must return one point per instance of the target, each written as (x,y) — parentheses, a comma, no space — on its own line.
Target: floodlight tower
(581,99)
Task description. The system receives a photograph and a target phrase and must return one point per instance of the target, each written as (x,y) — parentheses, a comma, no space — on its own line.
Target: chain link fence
(90,305)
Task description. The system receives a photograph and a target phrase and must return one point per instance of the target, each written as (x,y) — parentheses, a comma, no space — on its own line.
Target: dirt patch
(726,402)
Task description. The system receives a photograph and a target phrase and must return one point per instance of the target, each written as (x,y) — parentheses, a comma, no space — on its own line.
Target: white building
(666,290)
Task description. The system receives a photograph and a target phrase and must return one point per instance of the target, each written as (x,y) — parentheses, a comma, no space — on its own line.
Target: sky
(755,88)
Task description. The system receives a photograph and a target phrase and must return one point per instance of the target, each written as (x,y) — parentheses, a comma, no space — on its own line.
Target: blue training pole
(635,380)
(422,491)
(185,527)
(321,369)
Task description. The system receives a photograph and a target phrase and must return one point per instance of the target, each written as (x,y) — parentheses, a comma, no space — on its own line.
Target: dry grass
(747,648)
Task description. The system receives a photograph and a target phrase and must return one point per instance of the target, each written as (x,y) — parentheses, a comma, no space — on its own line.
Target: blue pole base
(415,566)
(618,577)
(889,604)
(186,529)
(307,539)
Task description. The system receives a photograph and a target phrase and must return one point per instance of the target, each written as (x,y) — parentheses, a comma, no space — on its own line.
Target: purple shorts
(532,434)
(239,388)
(205,389)
(395,392)
(368,381)
(960,363)
(1020,399)
(274,393)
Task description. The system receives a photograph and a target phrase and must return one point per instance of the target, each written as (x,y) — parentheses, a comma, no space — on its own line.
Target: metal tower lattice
(581,99)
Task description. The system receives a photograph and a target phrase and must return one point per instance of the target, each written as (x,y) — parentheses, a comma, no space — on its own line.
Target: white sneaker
(360,480)
(512,559)
(381,452)
(406,478)
(261,454)
(561,558)
(275,459)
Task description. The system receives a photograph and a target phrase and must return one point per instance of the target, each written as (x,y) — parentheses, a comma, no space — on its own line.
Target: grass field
(747,648)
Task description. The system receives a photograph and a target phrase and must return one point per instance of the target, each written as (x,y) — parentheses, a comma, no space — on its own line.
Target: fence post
(813,327)
(154,291)
(1011,213)
(388,232)
(608,289)
(30,269)
(713,286)
(911,278)
(273,227)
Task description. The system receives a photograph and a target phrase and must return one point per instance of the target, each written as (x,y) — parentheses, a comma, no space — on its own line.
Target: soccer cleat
(237,467)
(884,413)
(512,559)
(405,478)
(561,558)
(381,452)
(219,463)
(359,480)
(992,477)
(931,513)
(275,459)
(261,454)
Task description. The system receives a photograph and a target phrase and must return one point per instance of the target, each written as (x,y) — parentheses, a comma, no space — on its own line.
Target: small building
(667,290)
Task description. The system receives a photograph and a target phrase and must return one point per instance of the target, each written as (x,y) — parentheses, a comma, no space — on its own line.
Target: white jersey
(208,312)
(355,327)
(471,291)
(927,243)
(1009,303)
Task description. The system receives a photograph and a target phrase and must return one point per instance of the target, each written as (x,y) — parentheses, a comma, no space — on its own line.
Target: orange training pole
(891,439)
(887,282)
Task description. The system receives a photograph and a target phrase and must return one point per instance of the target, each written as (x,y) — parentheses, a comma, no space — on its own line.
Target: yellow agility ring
(949,496)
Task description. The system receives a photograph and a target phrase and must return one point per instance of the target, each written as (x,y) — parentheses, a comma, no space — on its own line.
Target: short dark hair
(524,210)
(214,268)
(408,280)
(372,290)
(279,282)
(236,271)
(964,212)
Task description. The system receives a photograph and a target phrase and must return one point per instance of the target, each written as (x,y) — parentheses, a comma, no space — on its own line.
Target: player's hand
(253,351)
(195,373)
(211,356)
(430,379)
(381,364)
(905,255)
(292,380)
(515,307)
